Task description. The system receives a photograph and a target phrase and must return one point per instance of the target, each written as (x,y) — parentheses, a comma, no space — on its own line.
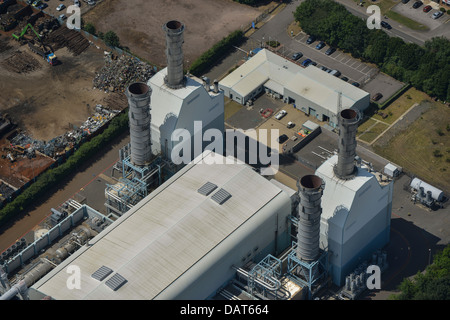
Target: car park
(386,25)
(310,39)
(297,55)
(330,51)
(427,8)
(282,138)
(280,114)
(417,4)
(320,45)
(377,96)
(306,62)
(437,14)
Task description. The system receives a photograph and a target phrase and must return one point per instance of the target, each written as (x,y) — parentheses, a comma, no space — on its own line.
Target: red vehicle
(427,8)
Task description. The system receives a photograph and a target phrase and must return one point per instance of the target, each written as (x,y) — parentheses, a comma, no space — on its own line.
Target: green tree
(90,28)
(111,39)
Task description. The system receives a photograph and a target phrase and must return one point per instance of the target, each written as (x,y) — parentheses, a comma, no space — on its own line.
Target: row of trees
(426,68)
(219,50)
(110,37)
(434,284)
(52,177)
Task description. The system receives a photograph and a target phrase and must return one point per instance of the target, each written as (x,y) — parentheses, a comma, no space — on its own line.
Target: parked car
(280,114)
(386,25)
(290,124)
(356,84)
(437,14)
(306,62)
(311,39)
(297,55)
(417,4)
(313,63)
(60,7)
(42,6)
(62,16)
(323,68)
(77,3)
(330,51)
(427,8)
(282,138)
(377,96)
(405,1)
(320,45)
(345,79)
(335,73)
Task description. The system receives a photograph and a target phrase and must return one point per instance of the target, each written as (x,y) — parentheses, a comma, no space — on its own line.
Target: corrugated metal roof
(165,234)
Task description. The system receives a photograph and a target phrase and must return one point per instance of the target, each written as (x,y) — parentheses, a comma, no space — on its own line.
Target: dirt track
(45,101)
(139,24)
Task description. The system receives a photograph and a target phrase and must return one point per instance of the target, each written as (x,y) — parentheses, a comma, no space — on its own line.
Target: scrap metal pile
(118,73)
(61,144)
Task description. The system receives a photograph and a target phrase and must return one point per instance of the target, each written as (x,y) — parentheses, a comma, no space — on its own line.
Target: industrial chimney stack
(310,189)
(174,42)
(138,95)
(348,124)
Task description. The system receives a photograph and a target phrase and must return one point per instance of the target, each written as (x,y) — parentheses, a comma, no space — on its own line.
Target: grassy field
(424,147)
(397,108)
(373,132)
(414,25)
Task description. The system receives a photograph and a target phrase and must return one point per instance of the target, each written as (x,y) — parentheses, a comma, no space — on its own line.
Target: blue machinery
(135,183)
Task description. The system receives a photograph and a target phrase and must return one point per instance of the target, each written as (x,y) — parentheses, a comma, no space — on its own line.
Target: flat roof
(279,73)
(168,232)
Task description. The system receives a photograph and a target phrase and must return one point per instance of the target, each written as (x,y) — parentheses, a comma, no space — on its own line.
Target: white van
(335,73)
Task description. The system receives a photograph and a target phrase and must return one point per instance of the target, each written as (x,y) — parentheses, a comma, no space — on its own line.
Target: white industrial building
(173,109)
(356,217)
(181,241)
(178,101)
(309,89)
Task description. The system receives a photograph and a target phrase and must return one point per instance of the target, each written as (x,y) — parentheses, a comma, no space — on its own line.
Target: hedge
(220,49)
(52,177)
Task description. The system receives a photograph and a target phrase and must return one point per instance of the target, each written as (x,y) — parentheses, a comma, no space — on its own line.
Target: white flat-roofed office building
(181,241)
(310,89)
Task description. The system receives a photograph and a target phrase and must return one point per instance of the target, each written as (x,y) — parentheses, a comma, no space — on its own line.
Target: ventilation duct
(138,95)
(310,189)
(174,52)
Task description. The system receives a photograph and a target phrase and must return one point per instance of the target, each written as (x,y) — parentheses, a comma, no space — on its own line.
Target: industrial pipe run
(310,189)
(138,95)
(348,124)
(174,52)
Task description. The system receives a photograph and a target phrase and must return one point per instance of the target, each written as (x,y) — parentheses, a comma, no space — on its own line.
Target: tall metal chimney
(348,124)
(174,42)
(310,189)
(138,95)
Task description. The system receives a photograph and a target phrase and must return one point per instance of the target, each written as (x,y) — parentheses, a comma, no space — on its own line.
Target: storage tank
(436,193)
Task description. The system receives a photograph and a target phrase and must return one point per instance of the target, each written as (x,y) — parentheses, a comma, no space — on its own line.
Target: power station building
(183,240)
(178,100)
(309,89)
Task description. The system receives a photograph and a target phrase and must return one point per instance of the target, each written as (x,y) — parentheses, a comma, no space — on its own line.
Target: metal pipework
(310,189)
(174,52)
(348,124)
(138,95)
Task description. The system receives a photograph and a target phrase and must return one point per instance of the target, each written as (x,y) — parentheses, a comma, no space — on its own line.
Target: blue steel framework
(307,274)
(267,270)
